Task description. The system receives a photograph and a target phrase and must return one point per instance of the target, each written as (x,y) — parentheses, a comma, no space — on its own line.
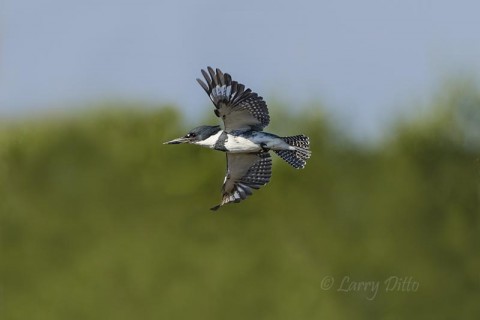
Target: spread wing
(239,108)
(245,172)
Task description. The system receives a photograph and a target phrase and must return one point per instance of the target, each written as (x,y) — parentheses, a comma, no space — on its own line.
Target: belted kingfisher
(244,114)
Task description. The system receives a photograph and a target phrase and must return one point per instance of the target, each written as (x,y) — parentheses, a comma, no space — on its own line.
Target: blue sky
(369,61)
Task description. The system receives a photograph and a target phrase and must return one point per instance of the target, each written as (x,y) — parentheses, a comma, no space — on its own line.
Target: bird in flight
(245,115)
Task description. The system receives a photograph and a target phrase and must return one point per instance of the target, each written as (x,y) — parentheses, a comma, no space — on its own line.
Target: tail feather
(296,158)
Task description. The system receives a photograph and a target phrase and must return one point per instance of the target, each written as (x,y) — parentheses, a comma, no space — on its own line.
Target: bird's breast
(241,144)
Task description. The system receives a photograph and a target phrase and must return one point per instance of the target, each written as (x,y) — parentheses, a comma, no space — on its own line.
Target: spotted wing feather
(239,108)
(245,172)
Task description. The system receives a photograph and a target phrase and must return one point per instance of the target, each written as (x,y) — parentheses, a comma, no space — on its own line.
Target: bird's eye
(190,135)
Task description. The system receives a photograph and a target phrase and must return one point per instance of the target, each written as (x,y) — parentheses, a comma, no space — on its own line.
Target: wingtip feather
(207,79)
(203,85)
(216,207)
(220,77)
(212,74)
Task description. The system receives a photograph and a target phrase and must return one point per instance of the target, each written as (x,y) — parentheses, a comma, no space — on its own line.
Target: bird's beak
(177,141)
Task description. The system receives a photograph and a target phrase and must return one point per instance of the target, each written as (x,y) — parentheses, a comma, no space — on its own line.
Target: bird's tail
(296,158)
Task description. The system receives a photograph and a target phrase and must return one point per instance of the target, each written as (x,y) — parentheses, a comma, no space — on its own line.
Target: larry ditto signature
(371,288)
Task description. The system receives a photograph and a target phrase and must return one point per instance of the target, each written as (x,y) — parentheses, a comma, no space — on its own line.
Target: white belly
(240,144)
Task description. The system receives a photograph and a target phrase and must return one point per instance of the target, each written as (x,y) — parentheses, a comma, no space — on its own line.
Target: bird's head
(195,135)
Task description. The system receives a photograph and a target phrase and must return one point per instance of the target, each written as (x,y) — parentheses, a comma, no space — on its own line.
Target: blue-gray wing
(239,108)
(245,172)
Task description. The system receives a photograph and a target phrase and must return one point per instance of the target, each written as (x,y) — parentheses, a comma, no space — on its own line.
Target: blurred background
(99,220)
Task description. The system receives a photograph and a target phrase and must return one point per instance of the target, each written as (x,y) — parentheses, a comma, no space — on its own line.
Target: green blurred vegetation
(99,220)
